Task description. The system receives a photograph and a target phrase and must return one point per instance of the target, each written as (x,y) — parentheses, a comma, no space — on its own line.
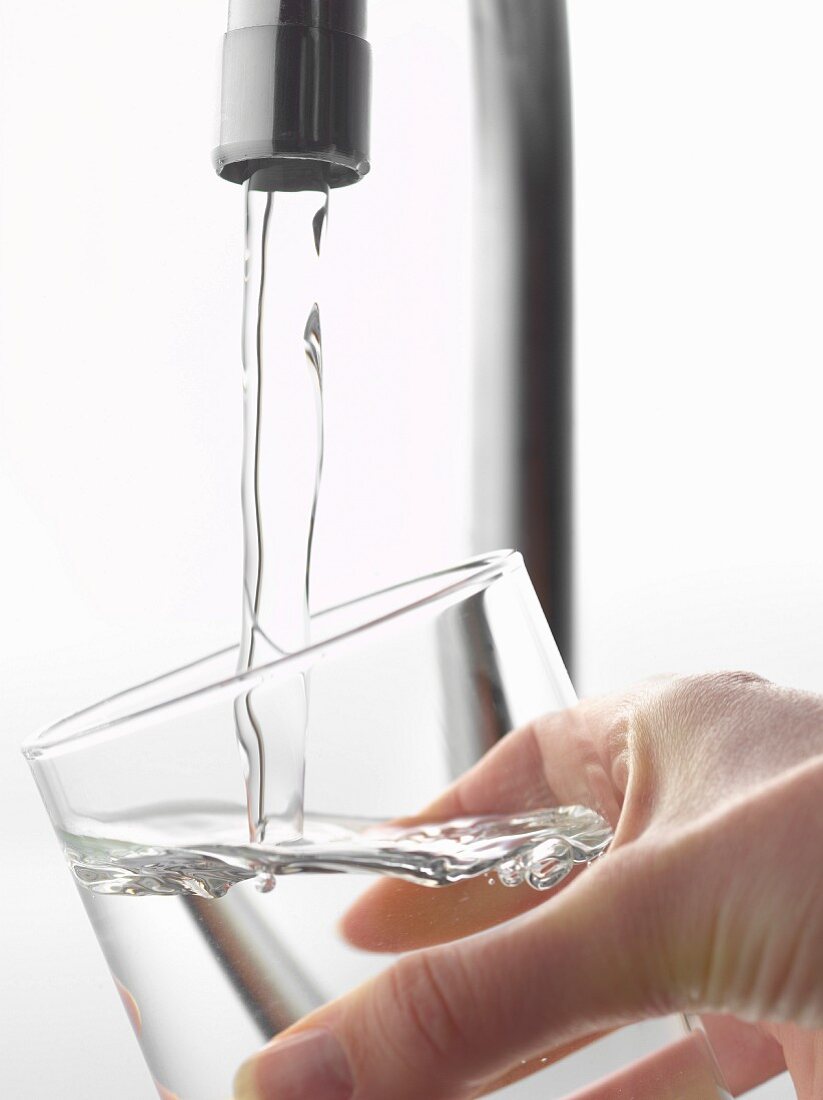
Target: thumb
(444,1022)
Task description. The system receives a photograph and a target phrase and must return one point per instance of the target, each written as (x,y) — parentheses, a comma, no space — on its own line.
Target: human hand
(709,900)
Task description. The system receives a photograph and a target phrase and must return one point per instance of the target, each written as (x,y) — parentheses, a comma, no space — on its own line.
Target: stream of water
(281,474)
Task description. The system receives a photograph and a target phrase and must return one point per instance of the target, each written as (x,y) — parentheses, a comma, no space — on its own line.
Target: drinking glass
(210,953)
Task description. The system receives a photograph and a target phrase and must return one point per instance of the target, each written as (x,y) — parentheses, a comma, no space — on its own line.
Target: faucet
(295,115)
(295,94)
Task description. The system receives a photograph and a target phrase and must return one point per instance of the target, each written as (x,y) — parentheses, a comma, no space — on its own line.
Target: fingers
(446,1023)
(682,1071)
(398,917)
(685,1070)
(746,1053)
(527,1068)
(131,1006)
(571,757)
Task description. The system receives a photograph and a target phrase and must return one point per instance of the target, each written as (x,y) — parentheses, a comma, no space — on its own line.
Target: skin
(710,900)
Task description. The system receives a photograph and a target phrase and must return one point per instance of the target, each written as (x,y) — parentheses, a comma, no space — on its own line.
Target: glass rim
(469,574)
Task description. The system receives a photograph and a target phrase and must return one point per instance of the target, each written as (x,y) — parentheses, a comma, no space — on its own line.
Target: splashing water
(539,849)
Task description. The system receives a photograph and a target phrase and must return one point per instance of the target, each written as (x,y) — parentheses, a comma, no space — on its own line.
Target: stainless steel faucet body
(524,416)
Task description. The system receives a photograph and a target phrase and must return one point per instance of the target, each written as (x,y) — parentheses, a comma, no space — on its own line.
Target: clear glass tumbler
(407,688)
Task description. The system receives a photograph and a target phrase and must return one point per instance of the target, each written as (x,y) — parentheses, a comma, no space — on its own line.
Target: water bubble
(548,864)
(511,872)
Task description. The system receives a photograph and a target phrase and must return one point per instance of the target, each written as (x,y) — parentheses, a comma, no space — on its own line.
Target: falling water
(282,468)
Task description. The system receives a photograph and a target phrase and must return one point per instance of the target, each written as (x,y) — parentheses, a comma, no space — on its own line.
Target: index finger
(567,758)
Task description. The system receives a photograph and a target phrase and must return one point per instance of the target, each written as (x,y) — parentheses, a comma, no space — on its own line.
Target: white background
(700,236)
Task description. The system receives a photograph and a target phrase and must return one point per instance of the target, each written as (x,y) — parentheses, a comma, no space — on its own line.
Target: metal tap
(295,94)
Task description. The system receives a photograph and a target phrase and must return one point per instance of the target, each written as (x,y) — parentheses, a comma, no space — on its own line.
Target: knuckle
(685,707)
(731,682)
(712,689)
(582,752)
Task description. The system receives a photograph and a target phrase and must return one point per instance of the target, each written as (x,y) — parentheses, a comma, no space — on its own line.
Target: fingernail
(308,1066)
